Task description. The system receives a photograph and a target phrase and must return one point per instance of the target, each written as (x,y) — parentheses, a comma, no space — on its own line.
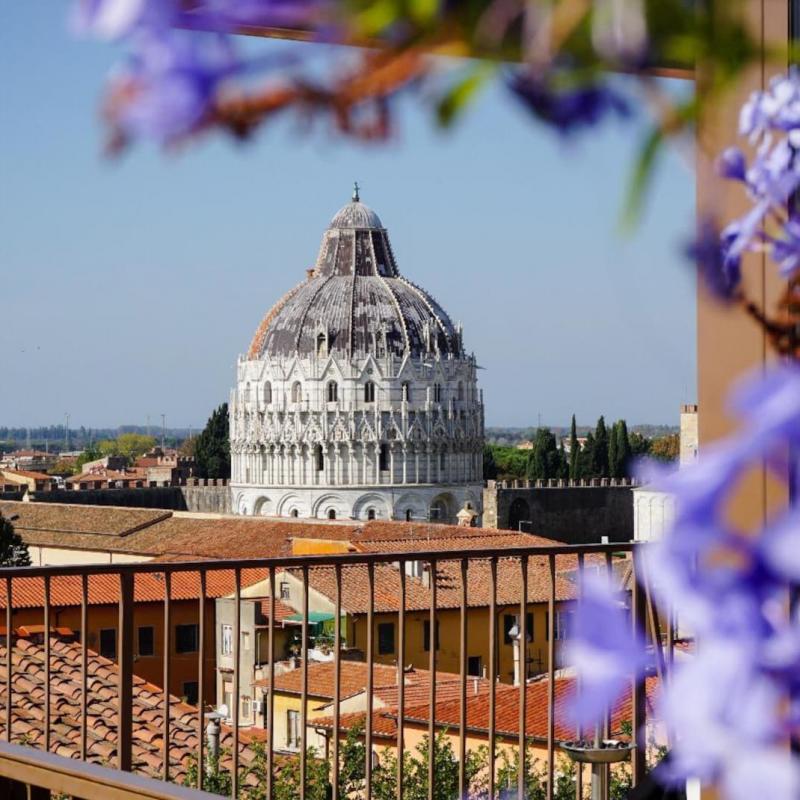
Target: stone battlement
(560,483)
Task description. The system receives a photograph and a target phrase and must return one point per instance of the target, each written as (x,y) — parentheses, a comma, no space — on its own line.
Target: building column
(405,464)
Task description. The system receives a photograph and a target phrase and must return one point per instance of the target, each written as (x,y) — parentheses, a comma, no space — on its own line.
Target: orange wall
(183,666)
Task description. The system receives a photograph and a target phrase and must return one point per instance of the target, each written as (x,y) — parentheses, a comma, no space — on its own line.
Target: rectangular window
(108,643)
(474,666)
(190,692)
(385,638)
(147,641)
(227,640)
(562,626)
(293,729)
(426,635)
(245,706)
(510,620)
(285,593)
(383,458)
(186,638)
(245,640)
(227,698)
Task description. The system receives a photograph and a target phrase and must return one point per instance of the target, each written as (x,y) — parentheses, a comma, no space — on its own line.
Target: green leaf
(642,175)
(458,96)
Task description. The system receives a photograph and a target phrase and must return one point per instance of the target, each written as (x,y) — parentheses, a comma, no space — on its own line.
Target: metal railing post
(125,660)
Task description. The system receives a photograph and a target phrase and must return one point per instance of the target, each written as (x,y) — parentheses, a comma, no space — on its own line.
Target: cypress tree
(586,458)
(613,455)
(600,450)
(213,449)
(623,450)
(574,450)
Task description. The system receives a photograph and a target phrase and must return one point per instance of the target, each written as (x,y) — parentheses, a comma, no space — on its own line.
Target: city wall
(574,512)
(193,494)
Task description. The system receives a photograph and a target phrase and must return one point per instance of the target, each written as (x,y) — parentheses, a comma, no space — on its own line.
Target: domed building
(357,398)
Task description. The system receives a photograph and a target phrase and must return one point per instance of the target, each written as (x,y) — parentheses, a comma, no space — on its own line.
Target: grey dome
(356,215)
(356,299)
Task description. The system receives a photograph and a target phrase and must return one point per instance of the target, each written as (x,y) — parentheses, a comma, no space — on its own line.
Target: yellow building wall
(292,702)
(448,655)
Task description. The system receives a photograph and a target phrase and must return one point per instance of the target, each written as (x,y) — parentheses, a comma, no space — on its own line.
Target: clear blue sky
(129,287)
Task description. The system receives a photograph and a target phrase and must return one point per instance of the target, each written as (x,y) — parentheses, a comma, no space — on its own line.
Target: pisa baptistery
(357,398)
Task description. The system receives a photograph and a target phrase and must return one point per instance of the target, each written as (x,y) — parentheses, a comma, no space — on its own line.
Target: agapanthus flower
(606,652)
(719,267)
(569,108)
(168,86)
(771,122)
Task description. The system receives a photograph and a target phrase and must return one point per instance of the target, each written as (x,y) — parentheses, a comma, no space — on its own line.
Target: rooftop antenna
(66,432)
(356,198)
(163,429)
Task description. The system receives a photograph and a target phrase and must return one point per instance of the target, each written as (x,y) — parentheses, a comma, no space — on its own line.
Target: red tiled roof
(448,711)
(25,473)
(27,711)
(282,611)
(355,584)
(65,590)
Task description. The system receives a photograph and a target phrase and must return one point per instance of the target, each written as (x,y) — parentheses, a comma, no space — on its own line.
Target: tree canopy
(13,550)
(212,449)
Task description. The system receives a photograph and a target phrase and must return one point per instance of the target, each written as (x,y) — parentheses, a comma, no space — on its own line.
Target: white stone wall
(356,451)
(653,514)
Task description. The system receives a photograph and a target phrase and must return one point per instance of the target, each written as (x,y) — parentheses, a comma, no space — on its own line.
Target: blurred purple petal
(732,164)
(604,649)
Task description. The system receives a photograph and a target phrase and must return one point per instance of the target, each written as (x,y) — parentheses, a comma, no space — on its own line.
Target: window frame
(184,626)
(113,632)
(383,628)
(226,639)
(140,652)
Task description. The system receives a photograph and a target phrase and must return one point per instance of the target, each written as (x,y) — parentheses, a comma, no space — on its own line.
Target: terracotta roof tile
(65,590)
(27,716)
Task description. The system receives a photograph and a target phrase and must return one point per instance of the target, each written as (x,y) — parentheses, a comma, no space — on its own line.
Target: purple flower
(718,267)
(567,109)
(168,87)
(786,249)
(732,164)
(604,650)
(112,19)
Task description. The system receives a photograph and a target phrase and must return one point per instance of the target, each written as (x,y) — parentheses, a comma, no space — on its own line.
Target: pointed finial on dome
(356,198)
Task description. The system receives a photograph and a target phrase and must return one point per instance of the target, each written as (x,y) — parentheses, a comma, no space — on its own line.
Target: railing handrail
(82,779)
(322,560)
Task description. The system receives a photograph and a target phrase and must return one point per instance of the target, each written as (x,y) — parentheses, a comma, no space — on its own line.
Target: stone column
(405,464)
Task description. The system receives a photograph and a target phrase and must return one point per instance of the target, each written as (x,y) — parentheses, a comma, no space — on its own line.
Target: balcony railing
(88,719)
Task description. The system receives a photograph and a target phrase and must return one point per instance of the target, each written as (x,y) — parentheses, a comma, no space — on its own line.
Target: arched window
(294,513)
(408,515)
(267,392)
(331,513)
(384,457)
(460,390)
(321,344)
(369,392)
(297,392)
(437,392)
(247,393)
(407,392)
(320,457)
(370,513)
(333,391)
(442,459)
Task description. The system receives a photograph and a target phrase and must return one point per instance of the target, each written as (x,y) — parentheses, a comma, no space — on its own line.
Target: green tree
(600,450)
(13,551)
(217,779)
(640,445)
(623,450)
(574,449)
(415,770)
(586,458)
(613,457)
(665,448)
(546,460)
(91,453)
(489,464)
(213,447)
